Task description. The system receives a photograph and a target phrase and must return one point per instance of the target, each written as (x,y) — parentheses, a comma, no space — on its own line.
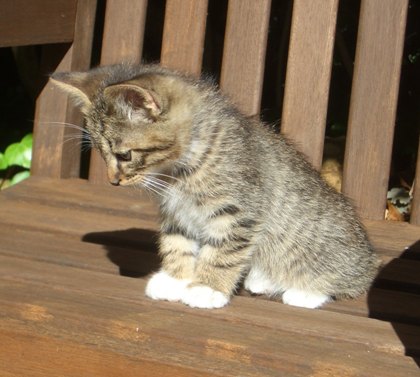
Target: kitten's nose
(115,181)
(114,177)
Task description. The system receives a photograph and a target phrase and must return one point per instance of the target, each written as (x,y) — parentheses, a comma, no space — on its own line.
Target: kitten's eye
(126,156)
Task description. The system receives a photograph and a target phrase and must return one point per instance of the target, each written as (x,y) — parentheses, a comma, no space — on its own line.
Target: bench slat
(183,35)
(114,316)
(50,134)
(373,104)
(122,42)
(112,255)
(73,359)
(244,53)
(53,154)
(308,75)
(34,22)
(66,243)
(127,235)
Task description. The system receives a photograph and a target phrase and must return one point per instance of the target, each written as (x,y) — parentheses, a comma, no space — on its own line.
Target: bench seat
(74,259)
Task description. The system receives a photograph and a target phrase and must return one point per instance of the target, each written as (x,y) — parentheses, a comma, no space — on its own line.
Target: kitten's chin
(130,181)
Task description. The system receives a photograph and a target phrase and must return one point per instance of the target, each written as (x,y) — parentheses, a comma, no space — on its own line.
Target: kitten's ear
(138,101)
(81,86)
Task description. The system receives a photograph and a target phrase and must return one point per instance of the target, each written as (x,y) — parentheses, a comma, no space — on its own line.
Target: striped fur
(237,201)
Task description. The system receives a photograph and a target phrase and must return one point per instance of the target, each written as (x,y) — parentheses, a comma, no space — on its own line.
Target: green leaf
(27,143)
(15,154)
(19,177)
(27,140)
(3,162)
(27,158)
(20,154)
(413,57)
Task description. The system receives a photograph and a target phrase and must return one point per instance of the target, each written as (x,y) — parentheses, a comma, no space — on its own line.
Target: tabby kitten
(237,201)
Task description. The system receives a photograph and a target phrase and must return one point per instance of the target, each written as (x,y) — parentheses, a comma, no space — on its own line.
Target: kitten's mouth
(131,180)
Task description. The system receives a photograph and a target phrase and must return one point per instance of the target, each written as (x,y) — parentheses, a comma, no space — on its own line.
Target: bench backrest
(374,95)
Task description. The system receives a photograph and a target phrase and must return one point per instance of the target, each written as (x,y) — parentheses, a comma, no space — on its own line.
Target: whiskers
(161,187)
(64,124)
(78,139)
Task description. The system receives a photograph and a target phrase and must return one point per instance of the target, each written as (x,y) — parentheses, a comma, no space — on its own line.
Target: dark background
(21,79)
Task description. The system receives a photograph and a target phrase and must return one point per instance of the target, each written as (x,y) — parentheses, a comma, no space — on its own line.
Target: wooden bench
(75,253)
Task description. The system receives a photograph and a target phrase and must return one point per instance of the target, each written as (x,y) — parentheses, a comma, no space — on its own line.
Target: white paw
(204,297)
(257,283)
(304,299)
(161,286)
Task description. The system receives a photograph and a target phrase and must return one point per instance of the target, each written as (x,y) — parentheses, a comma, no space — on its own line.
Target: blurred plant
(15,162)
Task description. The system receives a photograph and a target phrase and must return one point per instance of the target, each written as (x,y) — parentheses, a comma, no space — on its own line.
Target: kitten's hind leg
(304,299)
(258,283)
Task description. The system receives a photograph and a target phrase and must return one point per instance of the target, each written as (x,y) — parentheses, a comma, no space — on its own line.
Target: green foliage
(15,162)
(413,58)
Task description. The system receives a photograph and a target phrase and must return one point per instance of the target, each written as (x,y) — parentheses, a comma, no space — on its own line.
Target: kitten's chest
(185,211)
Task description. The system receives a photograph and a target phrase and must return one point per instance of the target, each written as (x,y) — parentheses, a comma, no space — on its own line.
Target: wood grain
(67,246)
(64,243)
(26,354)
(106,318)
(36,22)
(244,53)
(373,104)
(122,42)
(71,217)
(183,35)
(123,31)
(53,154)
(52,107)
(404,235)
(106,216)
(308,75)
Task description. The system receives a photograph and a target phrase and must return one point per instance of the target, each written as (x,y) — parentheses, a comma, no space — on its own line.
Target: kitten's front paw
(161,286)
(204,297)
(304,299)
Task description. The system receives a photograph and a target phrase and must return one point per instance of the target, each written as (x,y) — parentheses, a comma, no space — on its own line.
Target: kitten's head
(131,117)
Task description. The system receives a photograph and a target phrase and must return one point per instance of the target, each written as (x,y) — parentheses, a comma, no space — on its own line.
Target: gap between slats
(373,104)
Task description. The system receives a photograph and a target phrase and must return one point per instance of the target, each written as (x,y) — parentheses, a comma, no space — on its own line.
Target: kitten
(237,201)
